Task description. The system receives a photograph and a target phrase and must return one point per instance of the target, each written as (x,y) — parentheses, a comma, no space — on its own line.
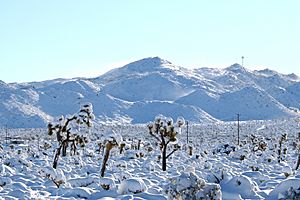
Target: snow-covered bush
(243,186)
(122,175)
(76,193)
(291,194)
(107,183)
(287,189)
(132,185)
(224,148)
(120,164)
(82,182)
(242,153)
(286,170)
(5,181)
(190,186)
(256,176)
(55,175)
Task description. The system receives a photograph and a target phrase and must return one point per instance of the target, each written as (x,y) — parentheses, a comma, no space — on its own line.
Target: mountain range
(137,92)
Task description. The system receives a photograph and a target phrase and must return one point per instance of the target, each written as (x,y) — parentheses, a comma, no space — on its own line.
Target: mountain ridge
(138,91)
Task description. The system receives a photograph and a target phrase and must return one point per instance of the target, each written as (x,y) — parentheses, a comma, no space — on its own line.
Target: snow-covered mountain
(139,91)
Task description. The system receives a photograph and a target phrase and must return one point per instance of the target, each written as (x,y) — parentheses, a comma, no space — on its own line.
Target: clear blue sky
(42,40)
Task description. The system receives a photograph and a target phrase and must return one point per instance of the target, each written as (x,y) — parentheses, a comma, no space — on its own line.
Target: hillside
(137,92)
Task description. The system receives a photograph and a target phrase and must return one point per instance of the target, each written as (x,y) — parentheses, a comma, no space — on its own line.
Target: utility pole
(238,123)
(187,133)
(38,142)
(6,134)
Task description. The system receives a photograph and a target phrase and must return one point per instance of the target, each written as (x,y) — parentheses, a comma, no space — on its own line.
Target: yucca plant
(165,131)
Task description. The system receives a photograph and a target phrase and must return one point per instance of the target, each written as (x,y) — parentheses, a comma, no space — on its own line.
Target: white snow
(153,86)
(215,170)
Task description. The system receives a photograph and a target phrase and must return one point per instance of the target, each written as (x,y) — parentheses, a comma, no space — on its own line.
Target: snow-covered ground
(218,167)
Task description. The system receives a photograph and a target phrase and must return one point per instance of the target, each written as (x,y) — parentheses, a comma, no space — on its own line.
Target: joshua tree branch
(163,141)
(168,142)
(155,136)
(171,153)
(64,128)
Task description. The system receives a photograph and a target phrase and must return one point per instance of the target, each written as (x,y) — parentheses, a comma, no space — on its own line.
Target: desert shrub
(107,183)
(132,185)
(292,194)
(224,148)
(190,186)
(287,189)
(55,175)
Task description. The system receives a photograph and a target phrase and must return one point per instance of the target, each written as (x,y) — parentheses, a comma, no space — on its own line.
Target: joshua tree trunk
(109,146)
(298,162)
(64,148)
(279,152)
(122,146)
(73,148)
(139,145)
(164,158)
(56,156)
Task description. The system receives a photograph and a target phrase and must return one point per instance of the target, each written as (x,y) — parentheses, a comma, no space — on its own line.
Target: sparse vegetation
(251,167)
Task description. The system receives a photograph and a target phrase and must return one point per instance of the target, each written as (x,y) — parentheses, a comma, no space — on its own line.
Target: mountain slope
(146,111)
(139,91)
(252,103)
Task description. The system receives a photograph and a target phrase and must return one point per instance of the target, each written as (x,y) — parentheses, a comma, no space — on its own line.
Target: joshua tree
(65,131)
(258,143)
(282,139)
(110,144)
(298,146)
(165,132)
(122,147)
(190,150)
